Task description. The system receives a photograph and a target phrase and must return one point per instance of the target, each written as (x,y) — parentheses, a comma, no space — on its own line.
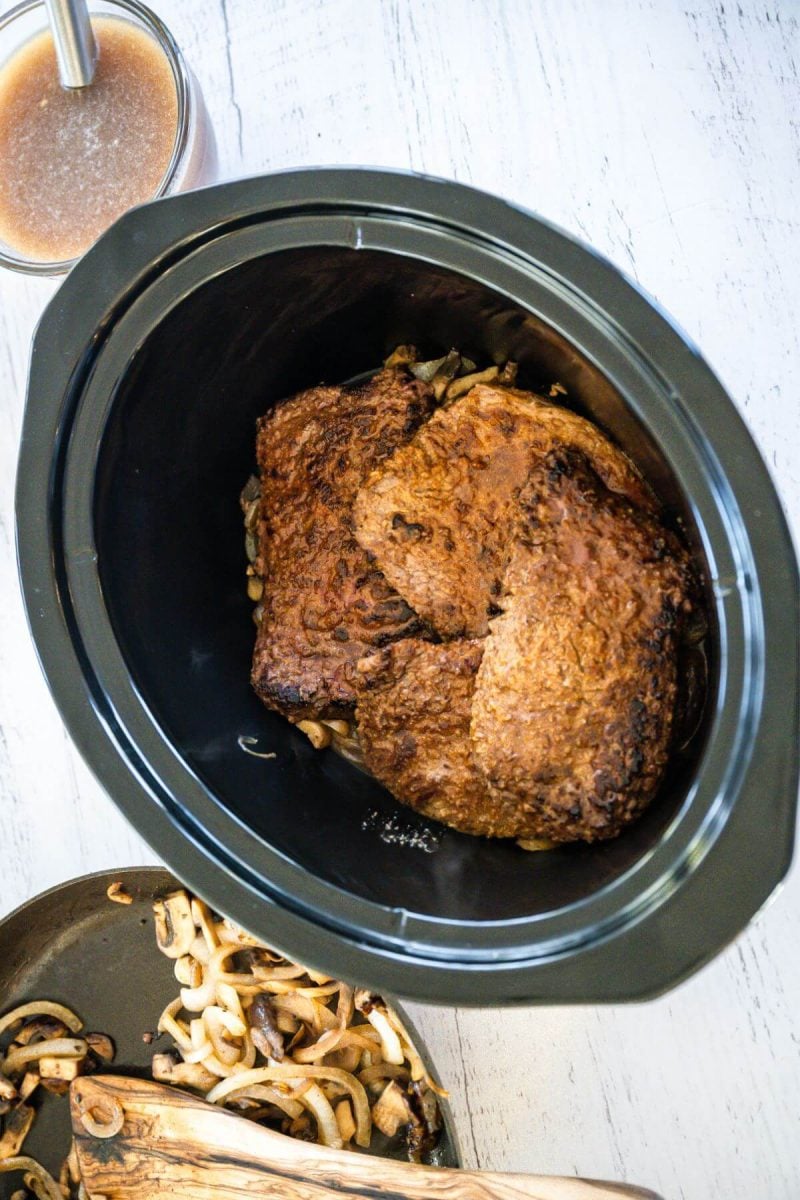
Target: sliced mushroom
(175,927)
(446,372)
(264,1030)
(101,1045)
(423,1134)
(51,1068)
(167,1069)
(17,1127)
(391,1110)
(250,492)
(40,1029)
(426,371)
(344,1119)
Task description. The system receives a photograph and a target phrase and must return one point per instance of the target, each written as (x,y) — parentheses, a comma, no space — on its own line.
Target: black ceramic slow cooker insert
(182,325)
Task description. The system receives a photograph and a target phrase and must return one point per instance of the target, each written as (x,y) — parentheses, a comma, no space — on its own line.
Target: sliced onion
(324,1045)
(42,1178)
(41,1008)
(231,1022)
(167,1023)
(199,1054)
(50,1048)
(226,932)
(286,987)
(293,971)
(228,999)
(201,915)
(418,1071)
(196,999)
(221,954)
(247,1061)
(390,1042)
(188,971)
(305,1010)
(278,1074)
(344,1005)
(215,1067)
(199,950)
(319,977)
(327,1125)
(216,1028)
(201,1046)
(269,1095)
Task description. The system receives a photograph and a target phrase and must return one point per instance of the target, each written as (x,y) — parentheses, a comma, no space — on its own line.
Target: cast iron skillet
(73,945)
(186,321)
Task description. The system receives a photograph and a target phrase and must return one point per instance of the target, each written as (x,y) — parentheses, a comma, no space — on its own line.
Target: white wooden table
(668,136)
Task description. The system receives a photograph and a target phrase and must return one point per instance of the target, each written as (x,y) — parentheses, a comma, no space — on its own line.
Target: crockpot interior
(179,445)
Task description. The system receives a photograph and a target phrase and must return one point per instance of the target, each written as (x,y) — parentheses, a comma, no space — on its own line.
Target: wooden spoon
(141,1141)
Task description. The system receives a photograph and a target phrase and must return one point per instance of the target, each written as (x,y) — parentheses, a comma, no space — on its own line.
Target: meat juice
(73,160)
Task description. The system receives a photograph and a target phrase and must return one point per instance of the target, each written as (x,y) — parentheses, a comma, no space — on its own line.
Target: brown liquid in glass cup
(73,160)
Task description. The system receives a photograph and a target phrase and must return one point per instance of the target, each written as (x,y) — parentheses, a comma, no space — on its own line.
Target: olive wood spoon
(152,1141)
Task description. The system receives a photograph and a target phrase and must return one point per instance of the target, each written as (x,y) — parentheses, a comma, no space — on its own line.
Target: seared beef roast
(487,587)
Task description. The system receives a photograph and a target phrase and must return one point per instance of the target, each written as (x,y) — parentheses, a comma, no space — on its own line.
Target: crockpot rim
(255,197)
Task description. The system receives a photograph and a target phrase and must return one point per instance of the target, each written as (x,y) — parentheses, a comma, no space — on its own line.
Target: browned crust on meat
(438,515)
(575,695)
(413,714)
(511,525)
(325,602)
